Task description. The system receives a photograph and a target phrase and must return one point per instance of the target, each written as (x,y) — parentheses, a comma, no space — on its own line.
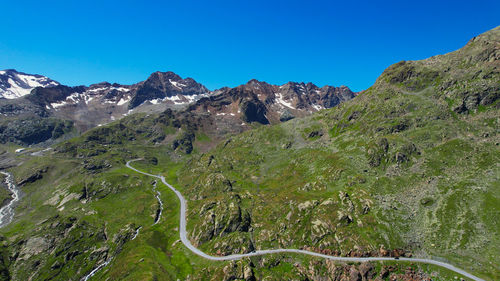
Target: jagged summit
(167,86)
(258,101)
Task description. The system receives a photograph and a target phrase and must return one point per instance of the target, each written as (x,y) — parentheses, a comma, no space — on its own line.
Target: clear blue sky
(227,43)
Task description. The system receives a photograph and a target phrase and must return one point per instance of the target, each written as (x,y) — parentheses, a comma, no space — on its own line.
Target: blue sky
(227,43)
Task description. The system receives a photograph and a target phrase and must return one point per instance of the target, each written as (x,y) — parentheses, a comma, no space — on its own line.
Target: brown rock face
(265,103)
(354,275)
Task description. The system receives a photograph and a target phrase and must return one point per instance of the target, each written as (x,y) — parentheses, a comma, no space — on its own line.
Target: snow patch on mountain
(123,101)
(318,107)
(178,85)
(107,89)
(56,105)
(280,100)
(15,84)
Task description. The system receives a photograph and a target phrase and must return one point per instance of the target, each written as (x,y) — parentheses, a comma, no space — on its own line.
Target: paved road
(187,243)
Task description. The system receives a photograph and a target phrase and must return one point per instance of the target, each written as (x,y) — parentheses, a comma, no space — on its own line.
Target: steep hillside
(407,168)
(411,164)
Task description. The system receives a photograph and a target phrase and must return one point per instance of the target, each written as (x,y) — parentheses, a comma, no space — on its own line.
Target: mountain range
(35,97)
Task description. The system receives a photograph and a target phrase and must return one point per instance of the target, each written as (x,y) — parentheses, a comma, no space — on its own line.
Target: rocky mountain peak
(15,84)
(166,85)
(164,76)
(102,85)
(255,82)
(257,87)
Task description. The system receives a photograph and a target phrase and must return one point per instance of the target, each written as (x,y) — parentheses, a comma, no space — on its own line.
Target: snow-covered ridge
(93,94)
(180,99)
(102,89)
(122,96)
(15,84)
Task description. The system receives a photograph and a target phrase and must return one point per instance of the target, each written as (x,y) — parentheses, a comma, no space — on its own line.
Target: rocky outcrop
(95,166)
(238,270)
(315,270)
(33,177)
(253,111)
(96,191)
(184,142)
(220,219)
(58,242)
(377,151)
(46,96)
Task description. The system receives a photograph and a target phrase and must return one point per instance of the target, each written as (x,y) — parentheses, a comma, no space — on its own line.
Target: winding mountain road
(187,243)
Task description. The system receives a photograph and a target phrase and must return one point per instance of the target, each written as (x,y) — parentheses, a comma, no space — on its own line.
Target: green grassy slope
(409,167)
(411,163)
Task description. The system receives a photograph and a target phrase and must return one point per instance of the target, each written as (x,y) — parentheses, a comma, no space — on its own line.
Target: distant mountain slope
(160,88)
(14,84)
(84,107)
